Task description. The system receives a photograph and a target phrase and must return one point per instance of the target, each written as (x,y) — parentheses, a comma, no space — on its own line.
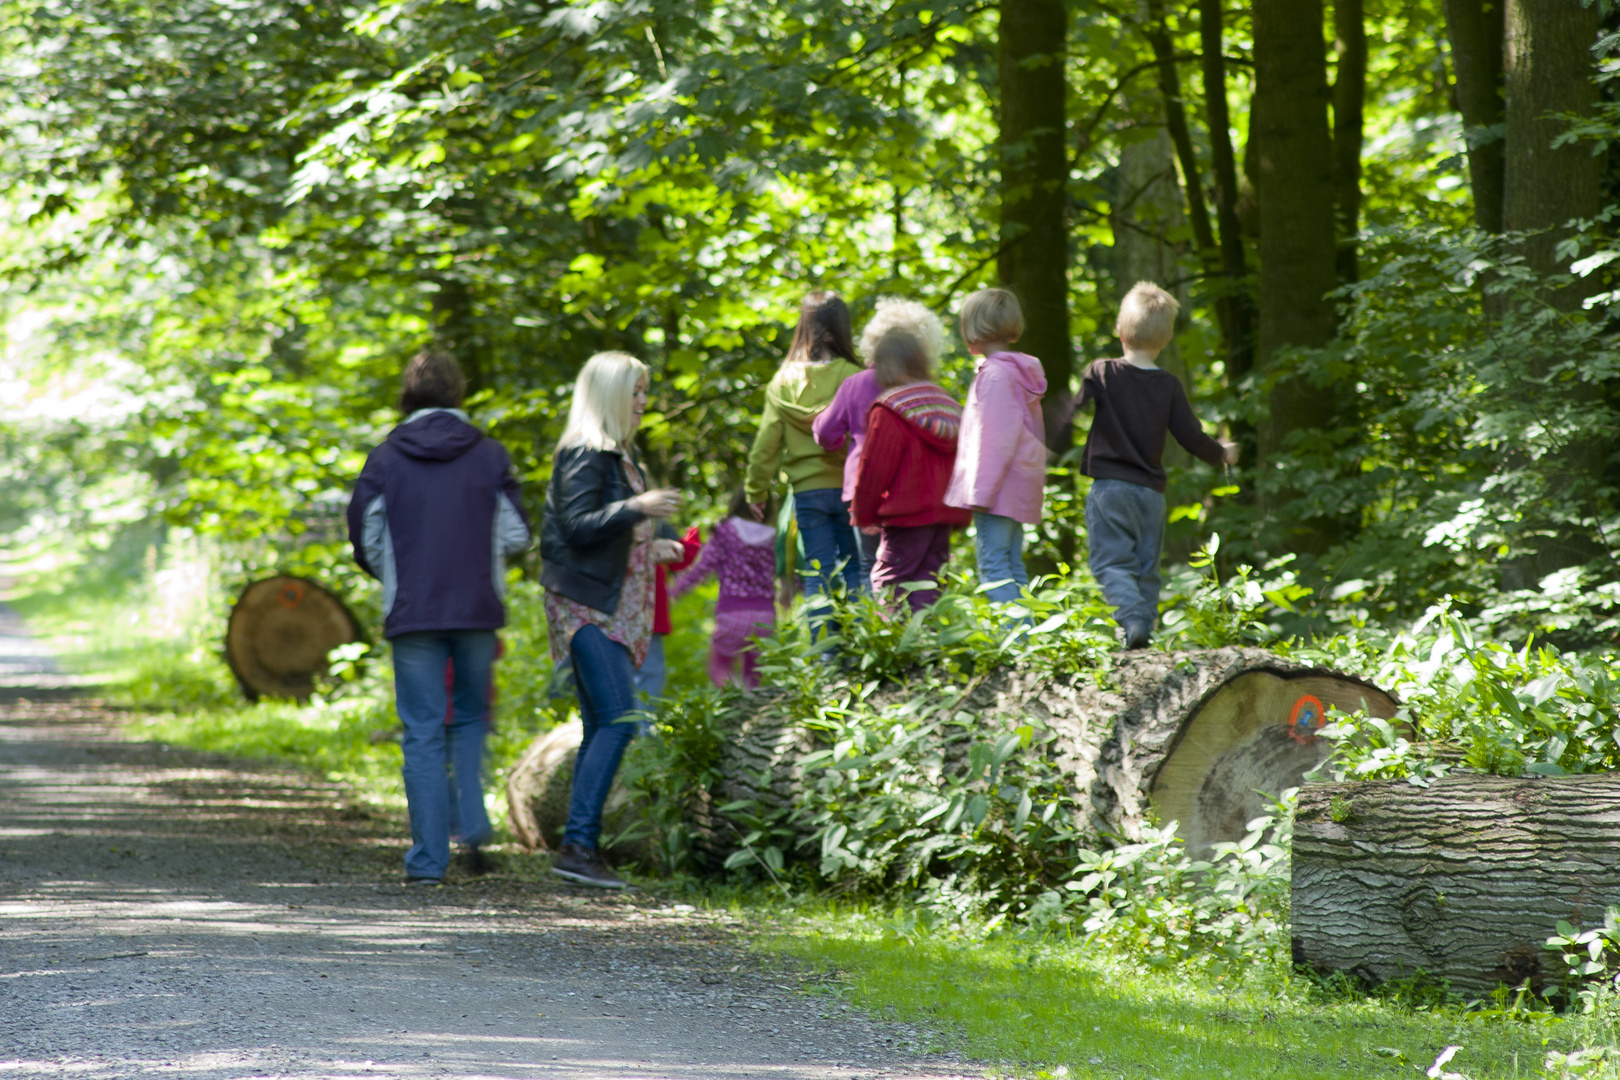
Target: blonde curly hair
(907,315)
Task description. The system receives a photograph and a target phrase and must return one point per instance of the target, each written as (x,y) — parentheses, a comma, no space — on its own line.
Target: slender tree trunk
(1475,30)
(1549,67)
(1548,74)
(1175,119)
(455,330)
(1233,294)
(1349,93)
(1034,182)
(1297,241)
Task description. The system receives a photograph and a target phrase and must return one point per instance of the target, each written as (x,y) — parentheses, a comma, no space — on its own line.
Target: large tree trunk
(1199,738)
(1549,69)
(1475,28)
(1349,94)
(1464,879)
(1191,737)
(1297,238)
(1034,261)
(1233,302)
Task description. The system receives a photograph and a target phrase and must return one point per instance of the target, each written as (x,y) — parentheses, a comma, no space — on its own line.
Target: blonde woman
(600,556)
(842,426)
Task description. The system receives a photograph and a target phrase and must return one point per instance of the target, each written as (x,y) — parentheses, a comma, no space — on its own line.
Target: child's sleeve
(707,563)
(1189,432)
(831,426)
(690,545)
(880,458)
(765,455)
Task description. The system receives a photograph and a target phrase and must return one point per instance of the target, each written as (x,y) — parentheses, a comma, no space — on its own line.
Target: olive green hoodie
(793,400)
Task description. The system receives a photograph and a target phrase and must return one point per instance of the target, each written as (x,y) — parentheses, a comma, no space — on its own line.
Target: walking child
(741,553)
(841,427)
(906,464)
(1000,471)
(1137,402)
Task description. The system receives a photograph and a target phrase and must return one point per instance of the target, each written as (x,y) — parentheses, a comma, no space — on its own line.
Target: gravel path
(170,913)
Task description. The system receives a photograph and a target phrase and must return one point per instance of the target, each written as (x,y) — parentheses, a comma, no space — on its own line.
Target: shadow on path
(169,913)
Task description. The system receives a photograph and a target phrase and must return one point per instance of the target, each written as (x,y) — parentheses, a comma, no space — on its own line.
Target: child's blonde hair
(915,319)
(991,315)
(1147,317)
(600,416)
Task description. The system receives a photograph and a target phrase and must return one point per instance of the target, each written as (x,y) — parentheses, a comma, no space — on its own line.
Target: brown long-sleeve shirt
(1135,407)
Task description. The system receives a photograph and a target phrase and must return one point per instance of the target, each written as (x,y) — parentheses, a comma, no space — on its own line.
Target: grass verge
(1056,1007)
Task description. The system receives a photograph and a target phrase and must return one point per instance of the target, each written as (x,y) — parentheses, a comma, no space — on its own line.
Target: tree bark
(1232,295)
(1549,68)
(1190,737)
(1464,879)
(1474,29)
(1147,211)
(1349,95)
(1293,149)
(1034,263)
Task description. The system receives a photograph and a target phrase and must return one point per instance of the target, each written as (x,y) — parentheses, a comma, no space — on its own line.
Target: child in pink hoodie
(741,552)
(1000,469)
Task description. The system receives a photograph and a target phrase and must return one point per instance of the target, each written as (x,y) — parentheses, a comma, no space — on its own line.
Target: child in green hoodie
(821,358)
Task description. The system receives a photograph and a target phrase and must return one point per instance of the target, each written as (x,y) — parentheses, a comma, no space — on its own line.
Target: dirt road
(168,913)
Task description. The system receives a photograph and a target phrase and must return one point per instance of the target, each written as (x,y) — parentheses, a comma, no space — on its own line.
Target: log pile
(1463,880)
(1196,737)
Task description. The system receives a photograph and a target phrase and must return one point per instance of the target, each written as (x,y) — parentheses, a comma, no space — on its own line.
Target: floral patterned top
(631,625)
(742,554)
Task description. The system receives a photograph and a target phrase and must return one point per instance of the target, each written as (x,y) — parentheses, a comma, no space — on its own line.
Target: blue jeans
(823,518)
(651,677)
(998,545)
(444,787)
(1125,528)
(605,679)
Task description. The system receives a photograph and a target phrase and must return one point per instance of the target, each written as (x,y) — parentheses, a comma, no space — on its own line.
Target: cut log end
(1252,739)
(280,632)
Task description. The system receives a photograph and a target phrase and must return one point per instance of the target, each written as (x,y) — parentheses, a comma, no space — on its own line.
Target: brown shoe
(583,866)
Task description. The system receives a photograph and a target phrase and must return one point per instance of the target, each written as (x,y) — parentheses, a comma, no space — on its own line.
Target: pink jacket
(1001,454)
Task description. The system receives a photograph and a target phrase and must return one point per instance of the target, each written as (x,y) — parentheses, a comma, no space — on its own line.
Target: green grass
(1039,1006)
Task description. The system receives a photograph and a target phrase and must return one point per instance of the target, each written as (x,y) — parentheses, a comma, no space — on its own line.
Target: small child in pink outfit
(1000,469)
(741,553)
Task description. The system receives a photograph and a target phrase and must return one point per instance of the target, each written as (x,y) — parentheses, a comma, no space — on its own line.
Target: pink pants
(732,631)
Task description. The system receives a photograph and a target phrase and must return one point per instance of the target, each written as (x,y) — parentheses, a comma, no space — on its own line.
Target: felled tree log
(1464,879)
(537,790)
(279,633)
(1192,737)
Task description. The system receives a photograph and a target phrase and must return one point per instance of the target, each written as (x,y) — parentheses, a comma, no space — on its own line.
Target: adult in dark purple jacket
(435,514)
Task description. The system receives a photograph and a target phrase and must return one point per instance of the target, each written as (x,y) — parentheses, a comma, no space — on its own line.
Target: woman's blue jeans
(1125,529)
(998,546)
(444,788)
(605,679)
(823,519)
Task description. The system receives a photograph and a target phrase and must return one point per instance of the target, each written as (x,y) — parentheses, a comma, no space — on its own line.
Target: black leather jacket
(588,529)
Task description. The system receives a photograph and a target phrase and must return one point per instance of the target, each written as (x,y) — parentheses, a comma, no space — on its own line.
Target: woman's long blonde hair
(600,416)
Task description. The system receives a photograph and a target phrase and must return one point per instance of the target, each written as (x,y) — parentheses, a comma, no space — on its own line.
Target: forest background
(227,225)
(1393,227)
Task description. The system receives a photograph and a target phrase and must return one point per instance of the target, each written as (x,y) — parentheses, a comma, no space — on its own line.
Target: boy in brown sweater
(1137,403)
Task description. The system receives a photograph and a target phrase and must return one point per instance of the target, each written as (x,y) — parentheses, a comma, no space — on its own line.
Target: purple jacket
(434,515)
(846,417)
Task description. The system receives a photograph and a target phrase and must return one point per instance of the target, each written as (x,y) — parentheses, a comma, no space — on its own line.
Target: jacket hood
(1025,369)
(801,391)
(438,436)
(932,413)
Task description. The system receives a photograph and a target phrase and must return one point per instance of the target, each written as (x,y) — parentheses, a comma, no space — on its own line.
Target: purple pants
(911,553)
